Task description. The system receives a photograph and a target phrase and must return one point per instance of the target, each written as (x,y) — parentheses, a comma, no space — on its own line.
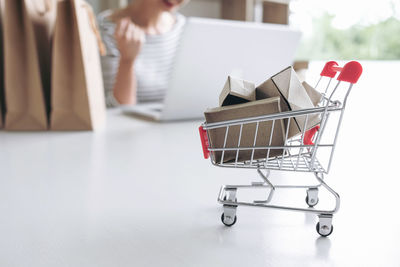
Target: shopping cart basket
(300,154)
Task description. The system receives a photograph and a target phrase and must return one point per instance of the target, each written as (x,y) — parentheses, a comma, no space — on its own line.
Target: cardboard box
(314,95)
(274,12)
(240,111)
(293,96)
(237,91)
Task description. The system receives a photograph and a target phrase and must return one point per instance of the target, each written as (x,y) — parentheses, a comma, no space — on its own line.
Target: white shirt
(154,64)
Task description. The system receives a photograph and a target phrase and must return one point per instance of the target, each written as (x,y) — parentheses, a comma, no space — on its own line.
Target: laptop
(210,50)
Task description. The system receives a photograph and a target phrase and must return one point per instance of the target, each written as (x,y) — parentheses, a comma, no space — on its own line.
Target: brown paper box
(2,103)
(27,33)
(293,96)
(240,111)
(314,95)
(237,91)
(77,85)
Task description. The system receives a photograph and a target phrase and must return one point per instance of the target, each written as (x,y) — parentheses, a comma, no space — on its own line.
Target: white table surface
(140,194)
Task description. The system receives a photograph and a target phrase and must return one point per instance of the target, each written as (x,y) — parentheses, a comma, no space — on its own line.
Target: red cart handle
(351,72)
(204,142)
(309,135)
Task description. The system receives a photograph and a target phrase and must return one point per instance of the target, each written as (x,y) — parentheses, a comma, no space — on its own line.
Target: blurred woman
(141,41)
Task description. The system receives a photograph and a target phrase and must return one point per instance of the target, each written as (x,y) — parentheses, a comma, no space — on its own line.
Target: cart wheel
(227,223)
(312,202)
(324,233)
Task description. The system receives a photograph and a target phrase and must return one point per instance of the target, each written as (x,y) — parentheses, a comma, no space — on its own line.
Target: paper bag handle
(48,6)
(351,72)
(95,28)
(204,142)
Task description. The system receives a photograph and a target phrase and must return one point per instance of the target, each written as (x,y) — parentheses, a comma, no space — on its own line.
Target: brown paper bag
(2,104)
(28,27)
(77,86)
(240,111)
(293,96)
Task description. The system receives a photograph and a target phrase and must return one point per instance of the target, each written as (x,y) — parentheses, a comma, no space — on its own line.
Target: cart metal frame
(298,156)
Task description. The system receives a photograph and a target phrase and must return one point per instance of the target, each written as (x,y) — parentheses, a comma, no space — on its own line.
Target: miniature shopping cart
(310,151)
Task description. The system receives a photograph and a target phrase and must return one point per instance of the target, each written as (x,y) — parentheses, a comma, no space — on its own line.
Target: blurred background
(341,29)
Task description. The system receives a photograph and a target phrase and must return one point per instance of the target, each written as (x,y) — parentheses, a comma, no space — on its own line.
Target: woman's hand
(130,39)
